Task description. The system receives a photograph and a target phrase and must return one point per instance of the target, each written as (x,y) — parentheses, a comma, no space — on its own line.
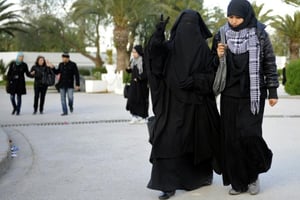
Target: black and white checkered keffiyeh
(240,42)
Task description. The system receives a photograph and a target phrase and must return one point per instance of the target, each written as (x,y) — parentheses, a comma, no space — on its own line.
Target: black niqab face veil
(191,16)
(189,53)
(243,9)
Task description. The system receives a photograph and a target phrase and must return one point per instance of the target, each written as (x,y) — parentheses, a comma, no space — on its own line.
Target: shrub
(279,71)
(126,77)
(292,85)
(109,53)
(102,70)
(84,72)
(3,69)
(97,71)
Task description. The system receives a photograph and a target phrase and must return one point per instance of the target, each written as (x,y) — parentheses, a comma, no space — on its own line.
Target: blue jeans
(63,93)
(16,106)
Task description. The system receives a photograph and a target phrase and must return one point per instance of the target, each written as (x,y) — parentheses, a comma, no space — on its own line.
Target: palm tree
(293,2)
(126,14)
(262,17)
(9,20)
(290,28)
(88,16)
(172,8)
(214,18)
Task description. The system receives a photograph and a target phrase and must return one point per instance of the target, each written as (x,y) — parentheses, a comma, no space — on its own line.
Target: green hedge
(3,69)
(292,85)
(102,70)
(97,71)
(126,77)
(84,72)
(279,71)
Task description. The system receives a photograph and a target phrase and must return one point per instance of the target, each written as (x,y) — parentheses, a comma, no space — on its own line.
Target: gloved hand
(161,26)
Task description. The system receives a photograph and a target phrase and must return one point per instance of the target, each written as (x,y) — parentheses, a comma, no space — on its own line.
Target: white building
(53,57)
(111,82)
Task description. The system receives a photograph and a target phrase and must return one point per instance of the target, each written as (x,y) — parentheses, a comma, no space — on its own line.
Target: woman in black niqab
(190,55)
(185,136)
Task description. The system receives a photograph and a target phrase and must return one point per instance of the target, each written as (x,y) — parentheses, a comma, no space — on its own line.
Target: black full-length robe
(185,139)
(245,154)
(138,97)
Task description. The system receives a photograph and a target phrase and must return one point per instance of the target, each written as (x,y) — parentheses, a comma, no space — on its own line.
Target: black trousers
(39,93)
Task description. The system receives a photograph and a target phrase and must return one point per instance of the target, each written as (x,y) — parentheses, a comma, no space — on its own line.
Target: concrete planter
(110,77)
(92,86)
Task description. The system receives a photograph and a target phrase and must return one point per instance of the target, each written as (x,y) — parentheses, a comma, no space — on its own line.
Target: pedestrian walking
(185,128)
(68,72)
(39,71)
(16,85)
(251,78)
(138,95)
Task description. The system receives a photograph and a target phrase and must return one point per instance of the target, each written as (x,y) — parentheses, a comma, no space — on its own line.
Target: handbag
(150,124)
(126,90)
(220,78)
(48,77)
(8,86)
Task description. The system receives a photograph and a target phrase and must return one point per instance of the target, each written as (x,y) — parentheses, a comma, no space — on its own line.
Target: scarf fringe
(254,107)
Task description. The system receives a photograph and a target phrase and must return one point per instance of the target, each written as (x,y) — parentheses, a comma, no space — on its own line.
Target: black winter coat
(16,78)
(67,73)
(268,69)
(40,71)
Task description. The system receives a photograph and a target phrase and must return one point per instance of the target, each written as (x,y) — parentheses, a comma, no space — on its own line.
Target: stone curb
(4,152)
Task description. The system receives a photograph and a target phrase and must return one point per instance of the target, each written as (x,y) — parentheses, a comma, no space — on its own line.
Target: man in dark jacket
(67,70)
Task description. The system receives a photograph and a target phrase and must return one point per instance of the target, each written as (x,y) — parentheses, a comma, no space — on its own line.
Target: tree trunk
(121,42)
(294,50)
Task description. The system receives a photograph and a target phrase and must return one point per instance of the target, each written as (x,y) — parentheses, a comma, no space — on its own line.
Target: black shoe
(71,109)
(166,195)
(64,114)
(18,113)
(207,182)
(41,112)
(13,112)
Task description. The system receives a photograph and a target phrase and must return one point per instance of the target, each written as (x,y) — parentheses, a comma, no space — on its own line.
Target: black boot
(14,111)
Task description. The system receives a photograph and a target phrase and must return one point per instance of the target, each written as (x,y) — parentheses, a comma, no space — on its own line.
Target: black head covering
(243,9)
(189,54)
(139,49)
(191,16)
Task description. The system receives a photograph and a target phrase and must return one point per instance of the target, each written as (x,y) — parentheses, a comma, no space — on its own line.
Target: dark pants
(16,106)
(39,92)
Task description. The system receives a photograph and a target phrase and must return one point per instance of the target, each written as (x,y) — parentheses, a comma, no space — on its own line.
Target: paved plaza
(95,154)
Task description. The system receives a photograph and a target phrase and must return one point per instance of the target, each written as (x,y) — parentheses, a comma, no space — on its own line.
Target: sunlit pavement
(94,153)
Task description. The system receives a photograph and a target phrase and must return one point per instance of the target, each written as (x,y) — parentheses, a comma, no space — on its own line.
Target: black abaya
(138,97)
(245,153)
(185,139)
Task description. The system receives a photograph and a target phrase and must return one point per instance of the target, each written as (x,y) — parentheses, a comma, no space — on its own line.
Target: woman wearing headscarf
(138,97)
(16,82)
(251,78)
(185,133)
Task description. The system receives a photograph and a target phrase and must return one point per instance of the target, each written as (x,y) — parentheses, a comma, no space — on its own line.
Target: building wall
(55,58)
